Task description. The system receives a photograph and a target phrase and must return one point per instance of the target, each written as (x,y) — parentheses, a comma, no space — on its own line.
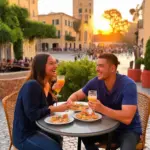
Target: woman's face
(51,67)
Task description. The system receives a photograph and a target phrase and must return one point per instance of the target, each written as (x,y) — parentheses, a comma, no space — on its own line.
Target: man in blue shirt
(117,99)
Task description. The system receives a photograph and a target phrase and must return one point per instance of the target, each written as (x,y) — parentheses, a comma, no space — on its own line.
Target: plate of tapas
(87,116)
(79,106)
(59,119)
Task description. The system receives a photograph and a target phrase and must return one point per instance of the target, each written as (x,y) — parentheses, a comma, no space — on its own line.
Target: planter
(145,79)
(135,74)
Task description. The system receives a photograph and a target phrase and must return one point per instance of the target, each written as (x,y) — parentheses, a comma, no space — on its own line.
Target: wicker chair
(9,103)
(144,111)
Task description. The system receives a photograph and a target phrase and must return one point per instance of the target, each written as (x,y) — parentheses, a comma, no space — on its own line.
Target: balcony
(140,24)
(69,38)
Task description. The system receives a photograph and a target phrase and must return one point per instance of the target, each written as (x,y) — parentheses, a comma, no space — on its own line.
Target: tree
(6,34)
(135,12)
(147,56)
(117,24)
(15,26)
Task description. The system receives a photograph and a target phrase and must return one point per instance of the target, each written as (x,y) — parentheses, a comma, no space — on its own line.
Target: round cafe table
(82,129)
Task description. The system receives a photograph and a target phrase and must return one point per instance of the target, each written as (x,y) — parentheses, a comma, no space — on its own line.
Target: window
(86,10)
(90,11)
(80,10)
(66,22)
(71,24)
(90,4)
(33,1)
(85,36)
(44,22)
(53,22)
(70,33)
(57,21)
(58,33)
(86,18)
(33,13)
(66,32)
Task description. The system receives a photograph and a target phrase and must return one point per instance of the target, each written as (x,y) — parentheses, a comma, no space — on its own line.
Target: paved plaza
(70,143)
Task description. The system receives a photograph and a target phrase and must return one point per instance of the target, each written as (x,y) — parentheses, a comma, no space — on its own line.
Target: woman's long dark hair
(38,68)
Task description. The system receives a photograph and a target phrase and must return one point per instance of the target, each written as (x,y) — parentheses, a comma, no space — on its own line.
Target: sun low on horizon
(101,24)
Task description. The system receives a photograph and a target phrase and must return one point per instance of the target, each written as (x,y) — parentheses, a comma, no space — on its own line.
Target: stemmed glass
(92,97)
(59,84)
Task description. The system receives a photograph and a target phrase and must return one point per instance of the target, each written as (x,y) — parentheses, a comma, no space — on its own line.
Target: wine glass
(92,97)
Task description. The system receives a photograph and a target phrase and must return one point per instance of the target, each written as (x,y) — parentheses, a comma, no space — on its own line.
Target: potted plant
(146,73)
(135,74)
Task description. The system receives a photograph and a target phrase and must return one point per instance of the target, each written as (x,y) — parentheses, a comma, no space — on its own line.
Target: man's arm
(129,106)
(125,115)
(79,95)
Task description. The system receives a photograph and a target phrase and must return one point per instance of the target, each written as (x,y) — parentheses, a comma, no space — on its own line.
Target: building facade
(66,37)
(83,10)
(144,24)
(30,5)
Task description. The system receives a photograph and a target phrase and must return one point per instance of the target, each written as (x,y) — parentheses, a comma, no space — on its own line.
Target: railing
(69,38)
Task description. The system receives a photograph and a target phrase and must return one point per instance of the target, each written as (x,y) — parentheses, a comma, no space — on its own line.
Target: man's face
(104,69)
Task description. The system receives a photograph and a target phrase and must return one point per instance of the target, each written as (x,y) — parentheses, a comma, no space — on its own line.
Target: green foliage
(147,56)
(69,38)
(14,26)
(34,29)
(5,33)
(18,47)
(139,61)
(77,74)
(21,13)
(10,18)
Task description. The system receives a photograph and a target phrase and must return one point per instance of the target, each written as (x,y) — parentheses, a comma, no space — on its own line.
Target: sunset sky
(47,6)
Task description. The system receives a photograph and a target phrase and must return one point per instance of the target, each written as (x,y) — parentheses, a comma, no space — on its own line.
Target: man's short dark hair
(111,58)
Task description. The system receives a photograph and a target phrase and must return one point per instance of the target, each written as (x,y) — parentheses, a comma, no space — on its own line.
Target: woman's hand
(63,107)
(60,108)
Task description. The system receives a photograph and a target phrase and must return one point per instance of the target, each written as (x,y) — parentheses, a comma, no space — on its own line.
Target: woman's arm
(32,97)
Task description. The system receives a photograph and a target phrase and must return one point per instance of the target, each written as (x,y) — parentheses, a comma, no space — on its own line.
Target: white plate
(47,120)
(83,103)
(92,120)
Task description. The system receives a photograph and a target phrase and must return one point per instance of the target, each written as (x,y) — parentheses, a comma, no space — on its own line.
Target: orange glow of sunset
(102,24)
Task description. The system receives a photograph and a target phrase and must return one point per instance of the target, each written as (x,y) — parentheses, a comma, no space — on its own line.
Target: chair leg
(79,143)
(10,145)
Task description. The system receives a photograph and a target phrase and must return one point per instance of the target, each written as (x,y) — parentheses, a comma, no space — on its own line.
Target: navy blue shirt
(124,92)
(32,104)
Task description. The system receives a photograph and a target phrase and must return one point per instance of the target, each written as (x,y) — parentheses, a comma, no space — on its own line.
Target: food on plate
(59,119)
(84,115)
(78,107)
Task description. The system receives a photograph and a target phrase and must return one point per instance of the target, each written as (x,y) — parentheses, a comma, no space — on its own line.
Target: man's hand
(69,101)
(96,106)
(79,95)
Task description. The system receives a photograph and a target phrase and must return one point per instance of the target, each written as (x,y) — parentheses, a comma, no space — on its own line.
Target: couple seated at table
(116,98)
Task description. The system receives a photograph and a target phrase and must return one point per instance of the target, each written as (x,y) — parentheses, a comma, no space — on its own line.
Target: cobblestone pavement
(70,143)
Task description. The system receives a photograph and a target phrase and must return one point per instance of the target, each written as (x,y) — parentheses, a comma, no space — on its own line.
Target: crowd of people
(14,65)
